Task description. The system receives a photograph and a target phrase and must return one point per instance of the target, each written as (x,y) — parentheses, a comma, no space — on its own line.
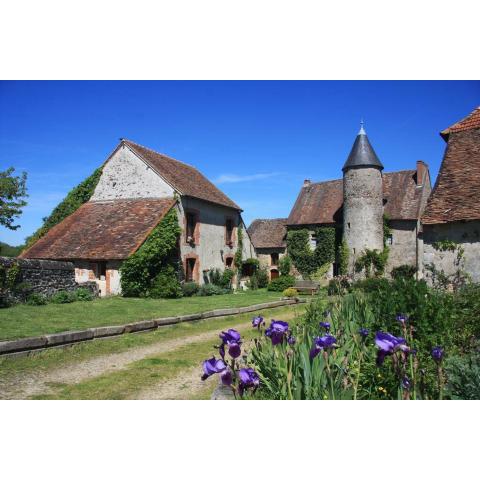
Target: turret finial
(362,130)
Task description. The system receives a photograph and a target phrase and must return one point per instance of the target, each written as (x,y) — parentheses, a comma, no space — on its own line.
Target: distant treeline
(7,250)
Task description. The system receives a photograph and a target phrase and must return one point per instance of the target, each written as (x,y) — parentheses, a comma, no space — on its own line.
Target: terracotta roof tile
(182,177)
(321,203)
(472,120)
(268,233)
(456,195)
(102,230)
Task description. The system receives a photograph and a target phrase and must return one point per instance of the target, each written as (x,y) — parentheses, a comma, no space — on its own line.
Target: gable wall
(126,176)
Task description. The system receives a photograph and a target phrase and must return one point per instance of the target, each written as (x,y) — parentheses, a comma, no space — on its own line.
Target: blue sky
(256,140)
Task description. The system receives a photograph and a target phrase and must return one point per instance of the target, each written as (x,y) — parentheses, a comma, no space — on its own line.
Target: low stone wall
(45,277)
(23,346)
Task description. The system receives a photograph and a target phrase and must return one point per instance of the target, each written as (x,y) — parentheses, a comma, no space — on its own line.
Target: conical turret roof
(362,153)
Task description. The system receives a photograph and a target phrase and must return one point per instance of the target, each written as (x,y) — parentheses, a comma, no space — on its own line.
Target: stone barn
(137,187)
(452,217)
(269,239)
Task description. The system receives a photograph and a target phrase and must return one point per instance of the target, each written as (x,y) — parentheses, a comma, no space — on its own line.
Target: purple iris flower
(388,344)
(363,332)
(232,339)
(212,366)
(402,318)
(291,340)
(325,325)
(277,331)
(227,377)
(257,321)
(437,353)
(248,379)
(322,343)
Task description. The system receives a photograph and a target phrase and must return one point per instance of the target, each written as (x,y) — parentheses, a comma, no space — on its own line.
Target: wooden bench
(306,286)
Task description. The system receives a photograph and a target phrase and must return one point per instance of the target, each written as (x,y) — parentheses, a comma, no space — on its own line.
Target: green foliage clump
(463,373)
(306,261)
(343,256)
(371,285)
(290,292)
(36,299)
(158,254)
(281,283)
(338,286)
(83,294)
(74,199)
(262,277)
(387,231)
(221,279)
(62,297)
(372,261)
(404,271)
(165,284)
(189,289)
(285,265)
(12,197)
(238,258)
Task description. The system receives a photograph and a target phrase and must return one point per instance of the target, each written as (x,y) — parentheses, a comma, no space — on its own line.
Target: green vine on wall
(74,199)
(157,257)
(387,230)
(372,261)
(306,261)
(239,253)
(343,256)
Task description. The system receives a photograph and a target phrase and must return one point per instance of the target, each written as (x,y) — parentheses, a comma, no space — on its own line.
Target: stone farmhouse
(453,209)
(269,238)
(355,204)
(138,186)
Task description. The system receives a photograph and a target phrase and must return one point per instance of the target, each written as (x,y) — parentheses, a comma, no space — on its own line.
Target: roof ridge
(158,153)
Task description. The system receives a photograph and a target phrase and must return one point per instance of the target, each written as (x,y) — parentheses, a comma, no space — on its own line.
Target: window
(229,262)
(229,231)
(191,225)
(190,267)
(389,239)
(274,259)
(100,269)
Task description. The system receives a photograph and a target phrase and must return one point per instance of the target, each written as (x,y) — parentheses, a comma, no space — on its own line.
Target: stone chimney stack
(307,182)
(422,169)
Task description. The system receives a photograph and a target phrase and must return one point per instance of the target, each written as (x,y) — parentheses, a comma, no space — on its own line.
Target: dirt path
(35,383)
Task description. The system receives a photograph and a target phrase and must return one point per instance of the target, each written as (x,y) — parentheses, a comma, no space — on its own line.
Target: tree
(12,195)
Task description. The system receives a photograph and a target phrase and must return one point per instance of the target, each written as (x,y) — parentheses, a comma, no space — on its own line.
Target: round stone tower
(362,199)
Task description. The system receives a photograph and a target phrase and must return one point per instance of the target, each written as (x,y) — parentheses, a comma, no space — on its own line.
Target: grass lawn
(27,321)
(140,374)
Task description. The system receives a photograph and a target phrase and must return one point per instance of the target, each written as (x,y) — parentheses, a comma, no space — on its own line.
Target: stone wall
(403,250)
(45,277)
(466,234)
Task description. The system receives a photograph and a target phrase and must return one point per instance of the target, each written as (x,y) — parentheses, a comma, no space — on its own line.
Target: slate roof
(268,233)
(101,230)
(187,180)
(362,154)
(456,194)
(321,203)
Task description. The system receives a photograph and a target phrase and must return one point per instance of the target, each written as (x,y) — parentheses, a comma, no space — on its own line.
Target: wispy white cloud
(233,178)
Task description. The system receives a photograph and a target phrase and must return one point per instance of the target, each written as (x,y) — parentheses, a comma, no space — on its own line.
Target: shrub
(215,276)
(189,289)
(370,285)
(62,297)
(227,277)
(165,285)
(404,271)
(285,265)
(463,375)
(372,261)
(262,277)
(252,283)
(343,255)
(208,289)
(36,299)
(338,285)
(83,294)
(281,283)
(290,292)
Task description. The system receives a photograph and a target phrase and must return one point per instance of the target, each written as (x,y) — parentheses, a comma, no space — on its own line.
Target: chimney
(307,182)
(422,169)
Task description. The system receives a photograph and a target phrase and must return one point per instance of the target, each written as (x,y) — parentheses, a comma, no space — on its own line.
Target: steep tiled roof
(470,121)
(103,230)
(182,177)
(456,195)
(268,233)
(322,202)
